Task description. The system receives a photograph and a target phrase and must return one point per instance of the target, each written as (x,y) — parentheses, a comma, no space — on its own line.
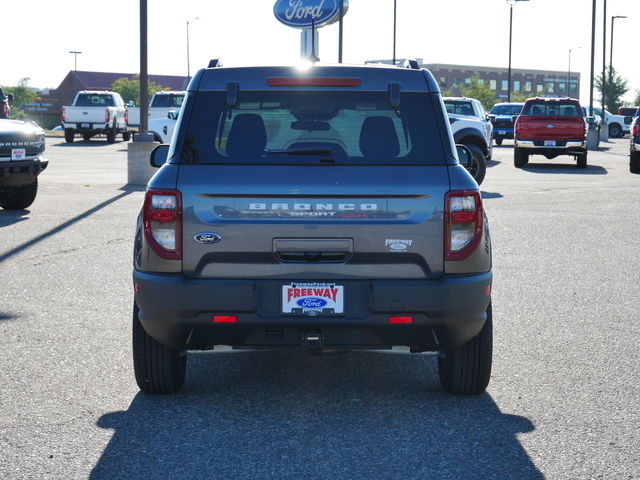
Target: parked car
(5,108)
(471,128)
(627,111)
(94,113)
(320,209)
(162,128)
(618,125)
(551,127)
(159,107)
(22,147)
(502,116)
(634,150)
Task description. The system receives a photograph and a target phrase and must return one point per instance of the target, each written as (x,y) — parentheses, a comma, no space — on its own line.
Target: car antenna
(313,58)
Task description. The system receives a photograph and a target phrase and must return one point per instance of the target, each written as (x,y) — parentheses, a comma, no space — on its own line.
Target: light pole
(569,72)
(188,63)
(511,3)
(394,32)
(611,62)
(75,60)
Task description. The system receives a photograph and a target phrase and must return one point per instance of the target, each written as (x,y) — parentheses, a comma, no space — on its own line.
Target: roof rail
(216,62)
(411,63)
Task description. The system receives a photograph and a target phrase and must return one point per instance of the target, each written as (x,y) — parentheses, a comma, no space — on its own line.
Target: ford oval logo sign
(207,237)
(300,13)
(311,302)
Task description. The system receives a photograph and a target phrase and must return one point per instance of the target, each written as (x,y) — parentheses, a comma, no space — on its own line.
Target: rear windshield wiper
(305,151)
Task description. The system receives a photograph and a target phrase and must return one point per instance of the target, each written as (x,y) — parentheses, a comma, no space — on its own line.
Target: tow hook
(312,340)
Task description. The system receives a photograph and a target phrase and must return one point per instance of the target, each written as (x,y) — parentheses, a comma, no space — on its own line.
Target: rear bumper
(569,148)
(18,174)
(178,312)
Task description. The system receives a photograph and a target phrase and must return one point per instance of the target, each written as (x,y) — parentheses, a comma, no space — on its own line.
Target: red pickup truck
(550,127)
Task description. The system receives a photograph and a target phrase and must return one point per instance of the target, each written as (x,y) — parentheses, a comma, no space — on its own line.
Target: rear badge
(207,237)
(397,245)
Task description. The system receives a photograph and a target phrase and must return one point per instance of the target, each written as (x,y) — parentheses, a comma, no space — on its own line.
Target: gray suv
(322,209)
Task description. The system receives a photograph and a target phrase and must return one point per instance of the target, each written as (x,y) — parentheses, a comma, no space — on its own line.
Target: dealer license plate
(313,299)
(18,154)
(549,143)
(502,132)
(85,125)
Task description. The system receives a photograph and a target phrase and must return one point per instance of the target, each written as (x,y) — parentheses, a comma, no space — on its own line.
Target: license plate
(549,143)
(313,299)
(85,125)
(502,132)
(18,154)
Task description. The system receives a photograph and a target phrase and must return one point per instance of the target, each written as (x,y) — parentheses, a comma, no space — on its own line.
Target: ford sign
(300,13)
(311,302)
(207,237)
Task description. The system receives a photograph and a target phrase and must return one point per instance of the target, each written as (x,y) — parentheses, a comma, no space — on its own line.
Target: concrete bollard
(139,170)
(592,137)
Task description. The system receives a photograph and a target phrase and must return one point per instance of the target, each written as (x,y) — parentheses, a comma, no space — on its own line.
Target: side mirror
(173,115)
(628,120)
(514,118)
(159,156)
(464,155)
(591,120)
(10,97)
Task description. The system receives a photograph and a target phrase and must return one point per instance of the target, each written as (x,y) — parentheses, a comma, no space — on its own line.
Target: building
(543,82)
(538,82)
(46,111)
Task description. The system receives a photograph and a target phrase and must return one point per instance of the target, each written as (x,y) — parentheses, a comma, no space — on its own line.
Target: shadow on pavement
(293,415)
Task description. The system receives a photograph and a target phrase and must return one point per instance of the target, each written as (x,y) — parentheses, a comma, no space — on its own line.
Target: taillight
(107,115)
(463,223)
(62,115)
(162,222)
(636,130)
(126,115)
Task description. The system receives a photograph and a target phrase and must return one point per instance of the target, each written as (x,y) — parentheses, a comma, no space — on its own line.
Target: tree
(22,95)
(636,100)
(476,89)
(614,89)
(129,89)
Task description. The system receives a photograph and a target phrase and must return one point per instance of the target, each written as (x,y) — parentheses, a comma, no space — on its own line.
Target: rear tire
(498,141)
(111,134)
(19,198)
(634,162)
(582,160)
(69,135)
(126,136)
(520,157)
(158,368)
(478,166)
(466,370)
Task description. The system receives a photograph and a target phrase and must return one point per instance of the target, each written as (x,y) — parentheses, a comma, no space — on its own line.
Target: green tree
(615,88)
(476,89)
(21,96)
(636,99)
(129,89)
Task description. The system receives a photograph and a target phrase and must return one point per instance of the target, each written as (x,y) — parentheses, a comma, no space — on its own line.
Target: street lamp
(569,72)
(75,60)
(611,62)
(188,63)
(511,3)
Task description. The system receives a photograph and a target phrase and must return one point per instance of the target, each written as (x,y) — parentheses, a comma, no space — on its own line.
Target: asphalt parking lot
(562,403)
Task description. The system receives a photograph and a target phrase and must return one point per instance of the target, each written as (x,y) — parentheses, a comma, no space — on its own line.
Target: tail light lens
(62,115)
(636,130)
(126,115)
(463,223)
(107,115)
(163,222)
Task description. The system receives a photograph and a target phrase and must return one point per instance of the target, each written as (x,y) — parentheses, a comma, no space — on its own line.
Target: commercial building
(549,83)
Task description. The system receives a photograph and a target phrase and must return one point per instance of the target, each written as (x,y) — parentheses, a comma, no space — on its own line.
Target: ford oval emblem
(299,13)
(551,125)
(207,237)
(311,302)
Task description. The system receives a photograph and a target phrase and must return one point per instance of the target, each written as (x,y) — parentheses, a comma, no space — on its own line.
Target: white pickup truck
(159,107)
(94,113)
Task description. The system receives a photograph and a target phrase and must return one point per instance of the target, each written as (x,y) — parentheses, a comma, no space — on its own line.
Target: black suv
(323,208)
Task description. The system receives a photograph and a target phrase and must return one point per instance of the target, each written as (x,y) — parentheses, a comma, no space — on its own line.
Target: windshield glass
(304,127)
(506,109)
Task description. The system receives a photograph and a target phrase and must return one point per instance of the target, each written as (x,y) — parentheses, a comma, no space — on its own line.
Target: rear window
(305,127)
(555,108)
(89,100)
(506,109)
(459,107)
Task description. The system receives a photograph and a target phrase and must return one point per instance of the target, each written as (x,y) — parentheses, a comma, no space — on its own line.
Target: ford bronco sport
(323,208)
